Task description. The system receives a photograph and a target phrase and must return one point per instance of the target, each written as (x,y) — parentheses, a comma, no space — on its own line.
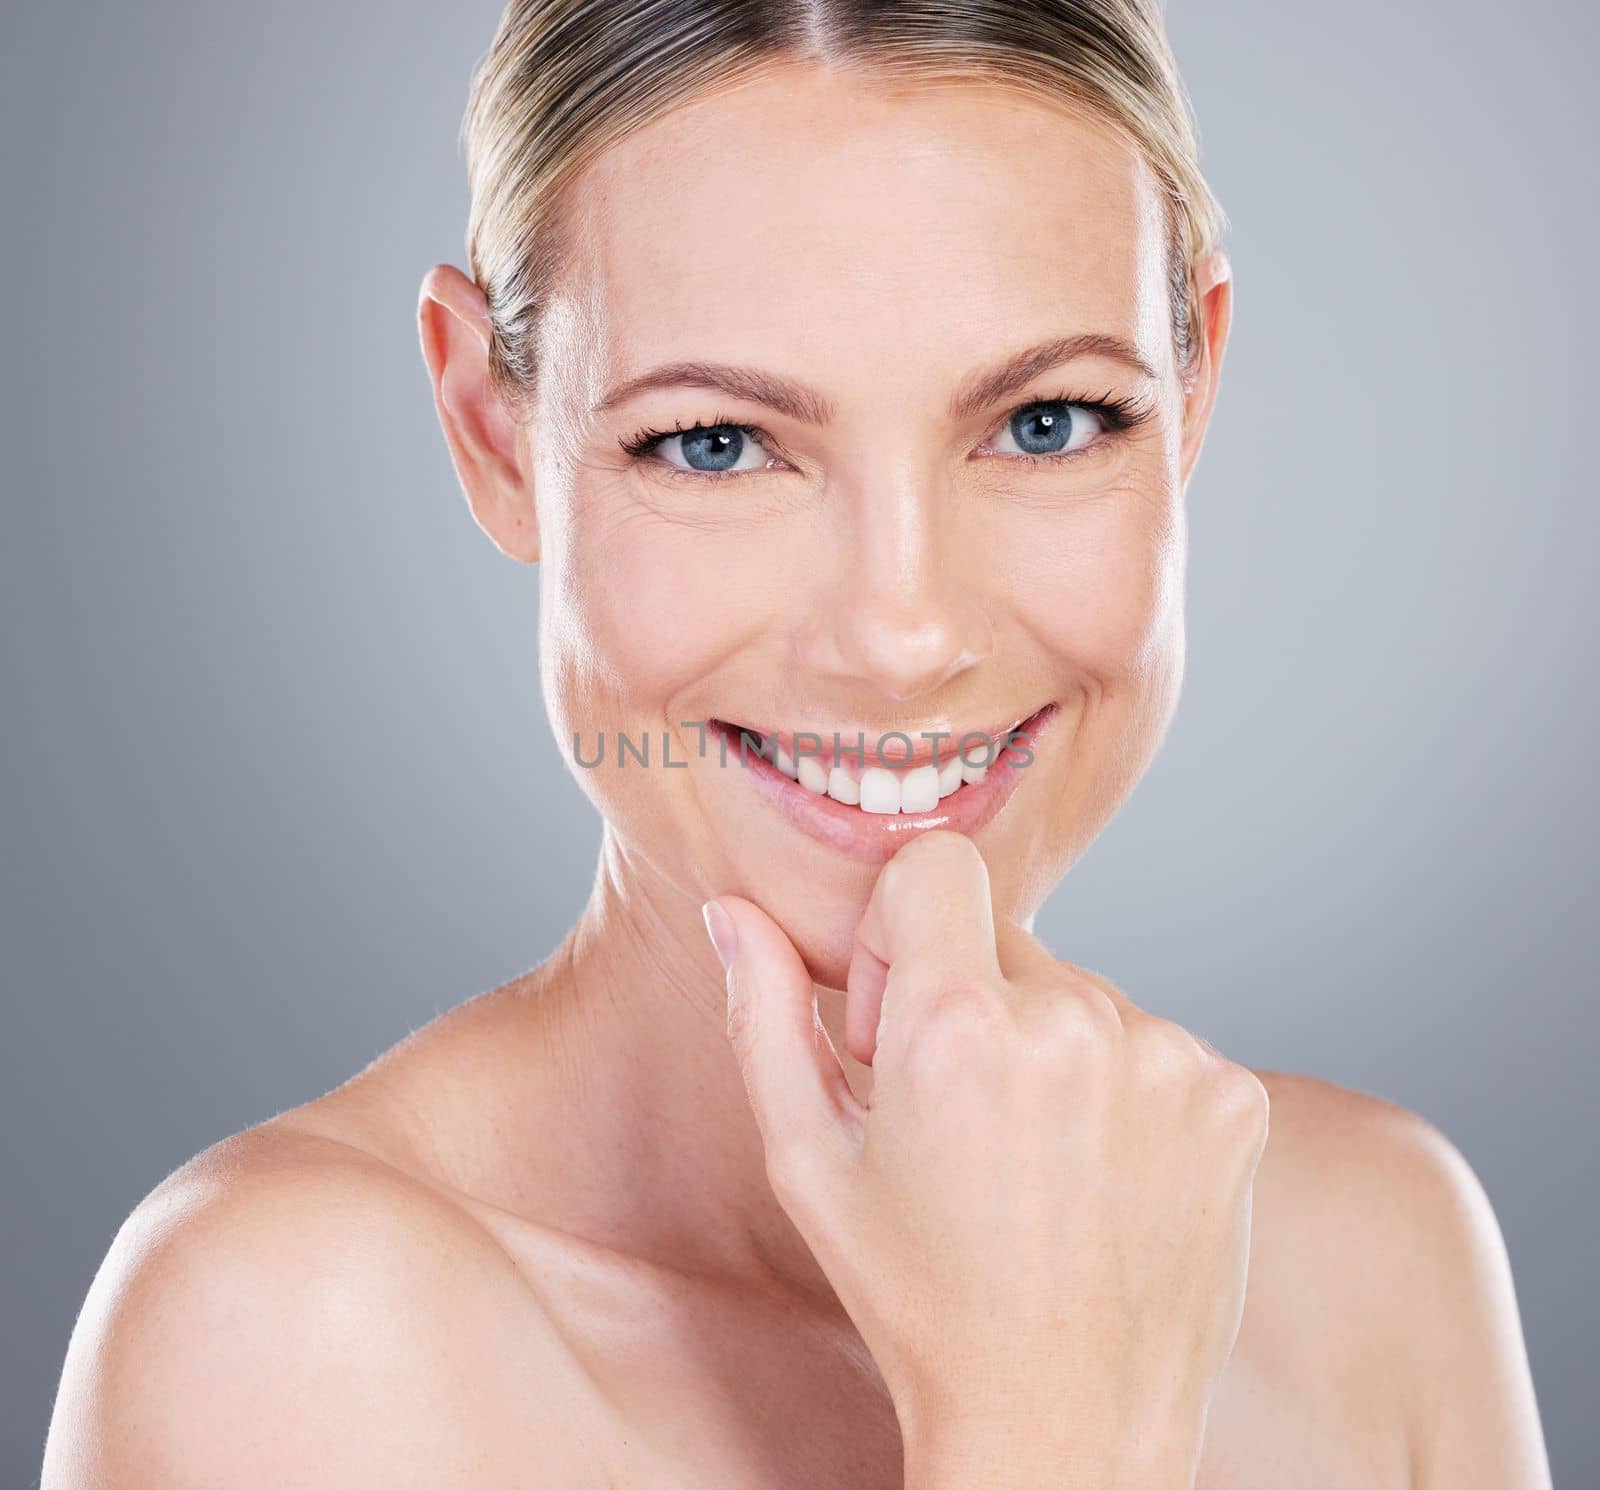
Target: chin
(823,931)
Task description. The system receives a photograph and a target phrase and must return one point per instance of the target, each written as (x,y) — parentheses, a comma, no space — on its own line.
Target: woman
(843,368)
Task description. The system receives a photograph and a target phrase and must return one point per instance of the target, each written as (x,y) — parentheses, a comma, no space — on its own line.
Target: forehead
(827,226)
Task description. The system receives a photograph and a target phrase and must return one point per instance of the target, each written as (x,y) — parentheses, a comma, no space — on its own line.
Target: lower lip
(875,837)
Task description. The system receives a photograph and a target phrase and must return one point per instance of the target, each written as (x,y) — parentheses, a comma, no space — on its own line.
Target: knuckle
(1092,979)
(1050,1023)
(1075,1022)
(1168,1054)
(1092,1003)
(1241,1101)
(1059,1032)
(957,1029)
(1112,1008)
(940,979)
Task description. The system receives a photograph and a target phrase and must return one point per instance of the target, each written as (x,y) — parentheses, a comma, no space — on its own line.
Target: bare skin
(543,1241)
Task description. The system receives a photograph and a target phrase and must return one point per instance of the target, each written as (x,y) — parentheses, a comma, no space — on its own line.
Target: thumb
(796,1086)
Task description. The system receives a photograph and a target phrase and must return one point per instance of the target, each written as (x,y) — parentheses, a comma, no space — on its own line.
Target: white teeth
(843,787)
(975,763)
(883,791)
(919,790)
(880,790)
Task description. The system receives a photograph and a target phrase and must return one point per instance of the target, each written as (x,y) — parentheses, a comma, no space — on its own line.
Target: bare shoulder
(1329,1146)
(1365,1197)
(1373,1223)
(287,1308)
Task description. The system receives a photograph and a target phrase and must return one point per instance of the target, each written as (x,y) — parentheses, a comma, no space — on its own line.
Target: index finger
(930,910)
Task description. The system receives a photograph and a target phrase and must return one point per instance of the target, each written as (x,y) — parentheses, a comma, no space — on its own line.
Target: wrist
(1016,1463)
(1029,1451)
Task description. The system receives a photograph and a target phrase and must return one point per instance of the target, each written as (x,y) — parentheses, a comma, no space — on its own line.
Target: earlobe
(484,440)
(1213,287)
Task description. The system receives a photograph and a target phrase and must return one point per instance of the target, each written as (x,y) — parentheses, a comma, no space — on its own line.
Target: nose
(901,610)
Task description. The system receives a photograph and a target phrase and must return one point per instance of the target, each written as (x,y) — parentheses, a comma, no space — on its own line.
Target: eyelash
(1118,414)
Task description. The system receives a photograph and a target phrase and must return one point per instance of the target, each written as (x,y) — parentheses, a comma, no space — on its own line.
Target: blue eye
(712,449)
(707,449)
(1053,427)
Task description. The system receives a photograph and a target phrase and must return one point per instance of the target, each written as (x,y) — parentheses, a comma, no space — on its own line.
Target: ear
(1213,283)
(485,441)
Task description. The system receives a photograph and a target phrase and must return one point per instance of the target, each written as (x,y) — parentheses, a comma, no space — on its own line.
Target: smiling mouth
(887,774)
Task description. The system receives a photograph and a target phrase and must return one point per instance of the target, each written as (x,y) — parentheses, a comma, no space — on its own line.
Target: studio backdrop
(275,777)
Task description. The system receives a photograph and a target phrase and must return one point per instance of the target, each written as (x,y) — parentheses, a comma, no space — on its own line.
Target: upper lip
(883,744)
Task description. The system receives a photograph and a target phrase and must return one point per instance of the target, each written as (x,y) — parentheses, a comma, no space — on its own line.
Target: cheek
(1104,591)
(637,609)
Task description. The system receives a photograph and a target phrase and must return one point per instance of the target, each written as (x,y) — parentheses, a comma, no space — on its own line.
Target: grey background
(278,786)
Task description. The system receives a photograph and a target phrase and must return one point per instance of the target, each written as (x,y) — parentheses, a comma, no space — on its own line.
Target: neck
(632,1012)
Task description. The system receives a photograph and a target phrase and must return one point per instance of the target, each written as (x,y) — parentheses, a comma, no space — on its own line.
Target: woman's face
(892,515)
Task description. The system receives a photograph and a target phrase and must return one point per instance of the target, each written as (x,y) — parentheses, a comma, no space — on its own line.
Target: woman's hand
(1040,1225)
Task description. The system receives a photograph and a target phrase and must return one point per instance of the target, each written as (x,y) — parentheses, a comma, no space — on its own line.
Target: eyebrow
(799,402)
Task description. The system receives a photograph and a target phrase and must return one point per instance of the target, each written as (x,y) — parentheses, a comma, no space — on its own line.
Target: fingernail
(724,935)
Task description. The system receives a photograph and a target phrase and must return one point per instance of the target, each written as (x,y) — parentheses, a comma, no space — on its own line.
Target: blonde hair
(564,79)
